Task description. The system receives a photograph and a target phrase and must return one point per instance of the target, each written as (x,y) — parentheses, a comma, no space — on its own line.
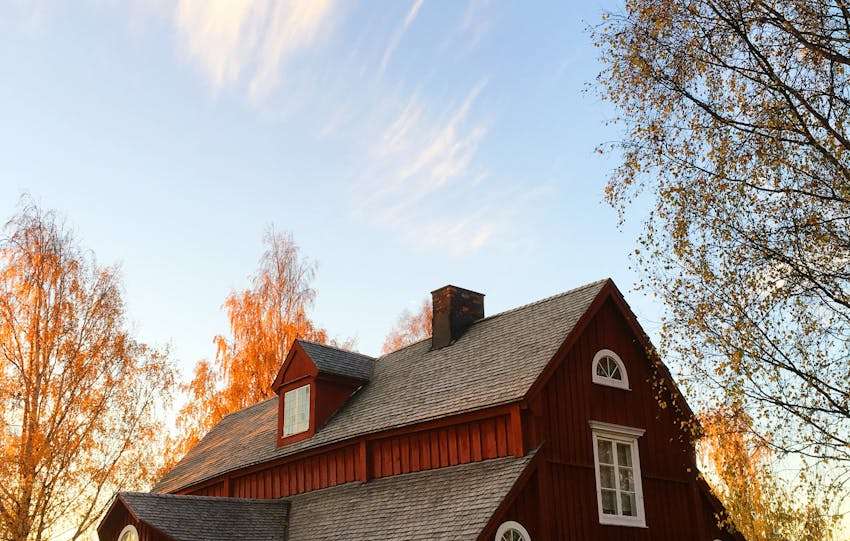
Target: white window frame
(511,525)
(298,395)
(128,529)
(610,382)
(621,434)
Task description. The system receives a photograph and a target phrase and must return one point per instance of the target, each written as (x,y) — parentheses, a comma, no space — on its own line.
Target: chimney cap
(450,286)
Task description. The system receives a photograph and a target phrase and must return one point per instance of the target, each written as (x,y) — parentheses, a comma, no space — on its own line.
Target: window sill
(286,440)
(613,383)
(607,520)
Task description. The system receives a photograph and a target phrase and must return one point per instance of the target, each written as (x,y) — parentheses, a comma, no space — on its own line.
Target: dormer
(313,383)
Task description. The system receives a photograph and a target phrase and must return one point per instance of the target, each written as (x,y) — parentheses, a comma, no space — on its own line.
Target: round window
(512,531)
(129,533)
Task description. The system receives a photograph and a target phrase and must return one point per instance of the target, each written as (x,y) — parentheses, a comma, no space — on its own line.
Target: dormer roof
(496,361)
(339,362)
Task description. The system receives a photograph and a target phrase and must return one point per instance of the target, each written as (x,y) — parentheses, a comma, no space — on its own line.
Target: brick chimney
(454,310)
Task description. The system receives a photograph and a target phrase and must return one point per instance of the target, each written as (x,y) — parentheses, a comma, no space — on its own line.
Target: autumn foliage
(758,504)
(79,394)
(264,320)
(410,327)
(734,122)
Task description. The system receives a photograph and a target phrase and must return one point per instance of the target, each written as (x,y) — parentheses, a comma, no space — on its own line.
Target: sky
(405,145)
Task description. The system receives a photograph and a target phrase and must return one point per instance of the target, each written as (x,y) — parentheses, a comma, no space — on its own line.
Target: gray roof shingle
(337,361)
(192,518)
(449,503)
(494,362)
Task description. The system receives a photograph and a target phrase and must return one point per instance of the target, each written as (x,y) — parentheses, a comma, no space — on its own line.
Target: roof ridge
(197,497)
(510,310)
(544,299)
(334,347)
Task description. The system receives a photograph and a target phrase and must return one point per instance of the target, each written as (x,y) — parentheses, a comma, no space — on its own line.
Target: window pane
(605,452)
(627,481)
(608,368)
(296,410)
(303,407)
(624,454)
(606,477)
(609,502)
(627,502)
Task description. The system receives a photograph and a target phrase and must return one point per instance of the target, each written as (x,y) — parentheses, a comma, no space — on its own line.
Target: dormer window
(313,383)
(608,369)
(296,410)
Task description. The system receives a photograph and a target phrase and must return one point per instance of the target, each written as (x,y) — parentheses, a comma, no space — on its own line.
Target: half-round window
(129,533)
(512,531)
(608,369)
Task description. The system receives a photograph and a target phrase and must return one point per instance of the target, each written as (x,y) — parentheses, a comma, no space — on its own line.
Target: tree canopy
(265,319)
(411,327)
(734,119)
(79,394)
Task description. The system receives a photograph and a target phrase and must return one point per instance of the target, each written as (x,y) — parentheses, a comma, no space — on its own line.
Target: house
(549,421)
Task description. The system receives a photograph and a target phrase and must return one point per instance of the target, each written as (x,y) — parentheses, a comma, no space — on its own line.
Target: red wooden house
(539,423)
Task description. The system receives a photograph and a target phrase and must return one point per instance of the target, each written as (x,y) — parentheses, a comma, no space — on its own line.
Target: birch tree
(78,391)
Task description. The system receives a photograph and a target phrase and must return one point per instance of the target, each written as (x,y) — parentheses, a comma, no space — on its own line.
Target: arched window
(512,531)
(608,369)
(129,533)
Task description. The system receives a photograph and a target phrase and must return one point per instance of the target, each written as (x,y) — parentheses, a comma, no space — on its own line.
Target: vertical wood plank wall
(119,519)
(440,447)
(310,473)
(459,443)
(560,415)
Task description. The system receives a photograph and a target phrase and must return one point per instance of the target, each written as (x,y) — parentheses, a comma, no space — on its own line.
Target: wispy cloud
(423,178)
(249,41)
(399,33)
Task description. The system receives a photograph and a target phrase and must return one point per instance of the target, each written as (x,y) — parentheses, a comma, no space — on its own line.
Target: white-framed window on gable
(512,531)
(129,533)
(608,369)
(619,491)
(296,410)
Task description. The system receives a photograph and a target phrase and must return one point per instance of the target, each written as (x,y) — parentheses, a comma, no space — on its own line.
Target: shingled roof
(340,362)
(495,362)
(189,518)
(449,503)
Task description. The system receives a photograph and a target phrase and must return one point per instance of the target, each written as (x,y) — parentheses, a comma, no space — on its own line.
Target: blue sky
(404,144)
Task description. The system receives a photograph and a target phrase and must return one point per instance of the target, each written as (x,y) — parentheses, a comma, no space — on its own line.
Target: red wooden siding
(118,518)
(217,489)
(559,415)
(473,438)
(299,366)
(461,443)
(302,475)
